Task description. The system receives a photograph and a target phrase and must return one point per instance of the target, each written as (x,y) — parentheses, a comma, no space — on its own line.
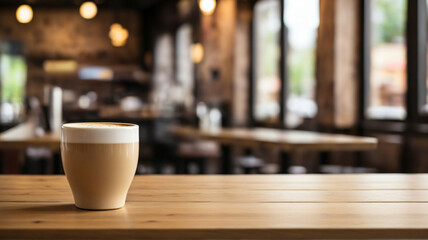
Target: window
(184,65)
(387,73)
(163,72)
(267,83)
(301,19)
(425,107)
(13,75)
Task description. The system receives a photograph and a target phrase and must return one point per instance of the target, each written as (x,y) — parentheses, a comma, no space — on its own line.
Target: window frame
(279,123)
(415,71)
(282,72)
(417,57)
(194,91)
(385,124)
(415,123)
(193,20)
(416,54)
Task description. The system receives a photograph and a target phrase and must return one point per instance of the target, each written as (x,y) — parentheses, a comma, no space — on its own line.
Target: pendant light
(88,10)
(24,13)
(207,6)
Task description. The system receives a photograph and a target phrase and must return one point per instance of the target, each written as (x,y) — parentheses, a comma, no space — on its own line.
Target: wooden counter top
(223,207)
(23,136)
(288,140)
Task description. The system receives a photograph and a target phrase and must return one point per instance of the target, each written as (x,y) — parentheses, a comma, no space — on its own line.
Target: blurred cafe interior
(220,86)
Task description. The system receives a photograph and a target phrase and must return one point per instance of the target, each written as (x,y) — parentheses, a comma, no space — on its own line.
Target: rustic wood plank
(216,196)
(241,182)
(217,220)
(224,207)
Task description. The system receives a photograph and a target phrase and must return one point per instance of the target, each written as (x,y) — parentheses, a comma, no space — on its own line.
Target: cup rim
(118,125)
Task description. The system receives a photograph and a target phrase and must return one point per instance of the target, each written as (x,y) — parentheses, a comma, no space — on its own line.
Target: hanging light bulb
(118,35)
(24,13)
(207,6)
(88,10)
(197,52)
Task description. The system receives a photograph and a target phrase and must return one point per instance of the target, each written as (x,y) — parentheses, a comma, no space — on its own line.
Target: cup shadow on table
(54,208)
(63,208)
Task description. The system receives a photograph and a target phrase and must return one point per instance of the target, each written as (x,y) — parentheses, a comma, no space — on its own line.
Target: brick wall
(64,34)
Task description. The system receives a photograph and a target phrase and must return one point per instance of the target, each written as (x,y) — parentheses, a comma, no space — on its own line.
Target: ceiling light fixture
(118,35)
(24,13)
(207,6)
(197,52)
(88,10)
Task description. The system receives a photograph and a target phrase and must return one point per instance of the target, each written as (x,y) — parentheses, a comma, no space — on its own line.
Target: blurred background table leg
(285,158)
(226,159)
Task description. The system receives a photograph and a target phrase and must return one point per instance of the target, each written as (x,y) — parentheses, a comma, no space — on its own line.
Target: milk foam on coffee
(100,132)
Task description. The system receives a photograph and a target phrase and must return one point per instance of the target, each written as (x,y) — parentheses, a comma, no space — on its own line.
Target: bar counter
(223,207)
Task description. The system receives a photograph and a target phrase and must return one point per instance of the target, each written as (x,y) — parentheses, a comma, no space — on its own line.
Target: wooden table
(287,140)
(223,207)
(23,136)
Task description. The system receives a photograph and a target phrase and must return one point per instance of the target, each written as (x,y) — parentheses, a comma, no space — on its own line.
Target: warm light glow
(197,53)
(59,66)
(118,35)
(100,73)
(24,14)
(207,6)
(88,10)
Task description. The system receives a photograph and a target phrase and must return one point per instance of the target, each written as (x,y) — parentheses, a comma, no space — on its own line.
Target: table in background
(287,140)
(23,136)
(223,207)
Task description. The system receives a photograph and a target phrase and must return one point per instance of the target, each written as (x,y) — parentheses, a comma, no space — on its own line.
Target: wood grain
(286,139)
(223,207)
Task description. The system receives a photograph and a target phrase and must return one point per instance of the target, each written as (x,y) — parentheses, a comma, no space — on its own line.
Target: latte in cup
(100,160)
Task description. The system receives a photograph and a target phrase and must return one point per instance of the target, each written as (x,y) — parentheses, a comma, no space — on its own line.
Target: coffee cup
(100,160)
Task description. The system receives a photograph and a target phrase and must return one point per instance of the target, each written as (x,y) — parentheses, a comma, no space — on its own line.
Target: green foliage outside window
(270,54)
(13,75)
(301,69)
(392,16)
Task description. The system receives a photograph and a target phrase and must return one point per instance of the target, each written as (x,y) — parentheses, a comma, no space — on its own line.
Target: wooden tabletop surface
(288,140)
(23,136)
(223,207)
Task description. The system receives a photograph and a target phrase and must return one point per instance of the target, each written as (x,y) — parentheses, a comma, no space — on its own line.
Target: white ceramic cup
(100,160)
